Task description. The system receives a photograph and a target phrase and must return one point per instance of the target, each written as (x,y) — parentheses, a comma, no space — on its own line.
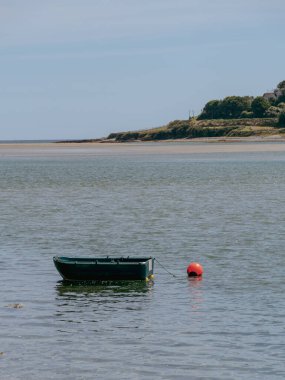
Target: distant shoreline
(91,142)
(104,141)
(221,139)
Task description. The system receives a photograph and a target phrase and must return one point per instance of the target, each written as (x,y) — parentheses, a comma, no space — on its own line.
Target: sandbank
(194,146)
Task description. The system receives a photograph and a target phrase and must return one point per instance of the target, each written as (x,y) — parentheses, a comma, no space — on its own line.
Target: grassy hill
(189,129)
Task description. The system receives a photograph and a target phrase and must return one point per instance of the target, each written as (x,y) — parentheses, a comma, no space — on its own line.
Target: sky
(75,69)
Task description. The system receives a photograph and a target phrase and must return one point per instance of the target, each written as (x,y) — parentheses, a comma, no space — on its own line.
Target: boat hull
(104,269)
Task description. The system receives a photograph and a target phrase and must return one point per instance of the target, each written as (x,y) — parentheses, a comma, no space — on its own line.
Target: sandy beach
(196,146)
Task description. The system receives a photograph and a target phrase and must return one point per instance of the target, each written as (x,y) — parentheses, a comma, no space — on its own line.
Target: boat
(78,269)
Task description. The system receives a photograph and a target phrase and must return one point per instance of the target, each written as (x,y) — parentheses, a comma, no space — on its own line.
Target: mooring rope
(166,270)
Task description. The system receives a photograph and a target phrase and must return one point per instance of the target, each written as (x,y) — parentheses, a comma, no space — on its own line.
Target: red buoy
(194,270)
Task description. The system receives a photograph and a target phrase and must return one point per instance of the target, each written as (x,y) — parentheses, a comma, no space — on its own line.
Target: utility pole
(191,116)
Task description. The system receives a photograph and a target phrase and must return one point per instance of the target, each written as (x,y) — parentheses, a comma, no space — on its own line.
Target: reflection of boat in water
(104,288)
(76,269)
(100,305)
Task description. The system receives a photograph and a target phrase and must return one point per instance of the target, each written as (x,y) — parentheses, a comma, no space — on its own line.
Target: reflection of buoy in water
(194,270)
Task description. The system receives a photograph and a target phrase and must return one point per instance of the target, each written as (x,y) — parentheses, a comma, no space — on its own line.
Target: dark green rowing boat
(104,269)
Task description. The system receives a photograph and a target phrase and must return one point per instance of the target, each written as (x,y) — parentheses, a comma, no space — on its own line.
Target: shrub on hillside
(281,106)
(246,115)
(272,112)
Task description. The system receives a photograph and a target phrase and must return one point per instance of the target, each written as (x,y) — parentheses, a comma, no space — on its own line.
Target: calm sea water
(226,211)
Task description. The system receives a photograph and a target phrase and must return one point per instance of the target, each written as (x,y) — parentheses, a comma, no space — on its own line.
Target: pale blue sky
(85,68)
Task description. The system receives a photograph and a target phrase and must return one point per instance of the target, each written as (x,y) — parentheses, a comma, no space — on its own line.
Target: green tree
(281,119)
(281,85)
(259,106)
(232,106)
(281,98)
(280,90)
(211,110)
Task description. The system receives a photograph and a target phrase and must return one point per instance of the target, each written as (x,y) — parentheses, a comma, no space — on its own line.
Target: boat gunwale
(101,260)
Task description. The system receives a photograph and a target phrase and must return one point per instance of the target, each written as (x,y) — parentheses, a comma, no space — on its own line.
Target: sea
(225,211)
